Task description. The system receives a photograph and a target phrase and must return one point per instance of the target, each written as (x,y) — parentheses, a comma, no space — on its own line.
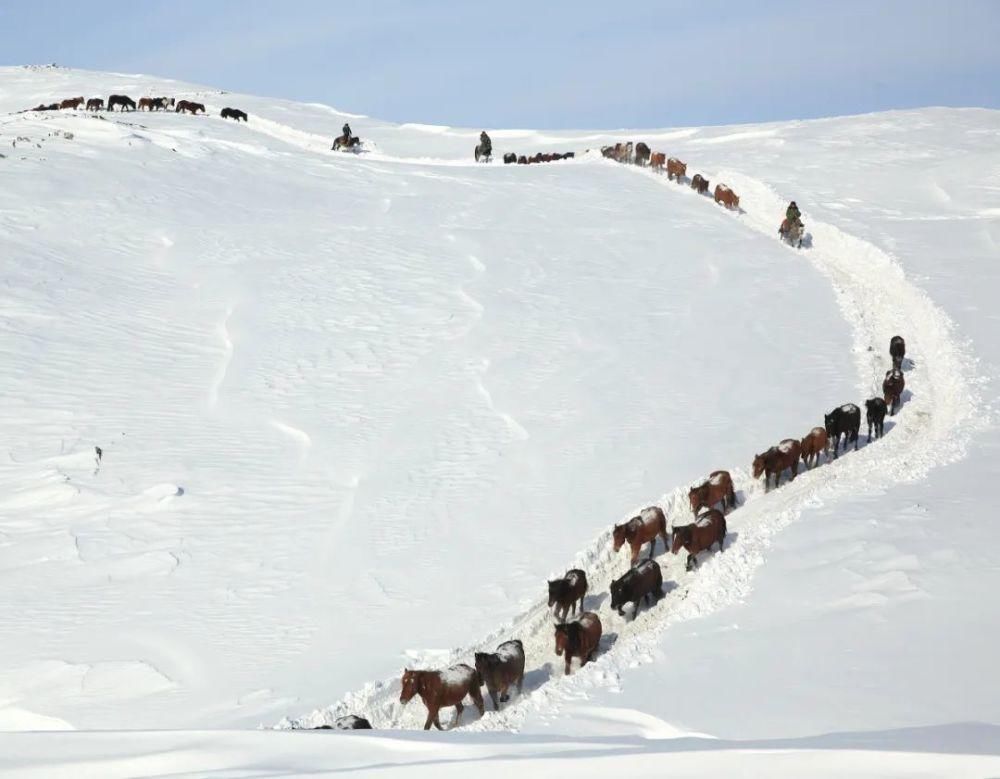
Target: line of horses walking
(710,500)
(126,103)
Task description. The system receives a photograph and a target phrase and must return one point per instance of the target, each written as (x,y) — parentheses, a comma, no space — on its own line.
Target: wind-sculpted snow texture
(355,409)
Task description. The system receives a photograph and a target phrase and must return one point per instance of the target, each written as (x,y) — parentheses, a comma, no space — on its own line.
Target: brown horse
(776,459)
(892,387)
(657,160)
(73,102)
(725,196)
(637,531)
(579,638)
(718,487)
(438,689)
(676,169)
(146,104)
(188,105)
(695,538)
(642,153)
(565,592)
(95,104)
(897,350)
(620,152)
(699,184)
(814,443)
(501,669)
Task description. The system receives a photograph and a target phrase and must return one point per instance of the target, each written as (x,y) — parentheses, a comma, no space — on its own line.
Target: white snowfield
(354,410)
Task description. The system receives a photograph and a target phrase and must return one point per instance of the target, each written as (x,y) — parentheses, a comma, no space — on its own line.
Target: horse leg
(493,697)
(431,719)
(567,663)
(477,698)
(652,547)
(459,708)
(690,562)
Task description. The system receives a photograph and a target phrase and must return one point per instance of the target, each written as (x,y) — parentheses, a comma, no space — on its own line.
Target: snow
(355,409)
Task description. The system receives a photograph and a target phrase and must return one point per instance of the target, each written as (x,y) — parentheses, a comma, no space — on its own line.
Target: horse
(163,103)
(897,350)
(676,169)
(876,409)
(718,487)
(892,387)
(579,638)
(726,197)
(501,669)
(643,581)
(49,107)
(637,531)
(188,105)
(509,158)
(815,442)
(233,113)
(620,152)
(483,152)
(708,529)
(95,104)
(565,592)
(699,184)
(774,461)
(438,689)
(340,142)
(72,102)
(350,722)
(522,160)
(146,104)
(657,160)
(126,102)
(642,153)
(843,421)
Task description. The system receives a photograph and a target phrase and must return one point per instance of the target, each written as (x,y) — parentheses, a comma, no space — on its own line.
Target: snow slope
(329,389)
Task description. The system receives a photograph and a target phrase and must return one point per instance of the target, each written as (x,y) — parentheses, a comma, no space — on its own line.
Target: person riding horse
(792,214)
(485,147)
(346,130)
(791,229)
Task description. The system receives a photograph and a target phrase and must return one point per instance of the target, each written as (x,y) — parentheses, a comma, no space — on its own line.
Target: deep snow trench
(932,428)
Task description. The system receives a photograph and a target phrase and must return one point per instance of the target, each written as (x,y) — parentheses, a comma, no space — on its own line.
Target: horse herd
(126,103)
(709,501)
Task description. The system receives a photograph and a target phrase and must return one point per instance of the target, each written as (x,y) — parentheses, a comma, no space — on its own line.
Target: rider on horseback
(485,148)
(346,130)
(792,214)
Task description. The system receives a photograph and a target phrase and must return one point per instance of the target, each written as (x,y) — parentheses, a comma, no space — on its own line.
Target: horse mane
(573,631)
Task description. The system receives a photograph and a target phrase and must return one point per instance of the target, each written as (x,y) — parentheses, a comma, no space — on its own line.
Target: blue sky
(544,64)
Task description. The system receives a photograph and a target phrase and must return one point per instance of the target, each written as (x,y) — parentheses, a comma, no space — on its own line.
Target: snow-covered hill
(353,411)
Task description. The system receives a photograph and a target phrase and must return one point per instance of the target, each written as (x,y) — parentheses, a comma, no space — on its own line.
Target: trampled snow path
(933,428)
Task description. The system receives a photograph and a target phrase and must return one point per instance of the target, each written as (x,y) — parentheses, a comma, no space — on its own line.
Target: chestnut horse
(501,669)
(579,638)
(438,689)
(699,184)
(676,169)
(657,160)
(146,104)
(73,102)
(565,592)
(188,105)
(695,538)
(892,388)
(811,446)
(637,531)
(775,460)
(718,487)
(725,196)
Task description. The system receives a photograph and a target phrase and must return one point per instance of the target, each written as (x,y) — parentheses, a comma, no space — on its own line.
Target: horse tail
(722,533)
(477,679)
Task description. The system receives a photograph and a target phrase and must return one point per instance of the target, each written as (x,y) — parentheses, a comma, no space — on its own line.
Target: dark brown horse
(126,102)
(643,581)
(642,153)
(699,184)
(641,529)
(725,196)
(776,459)
(438,689)
(73,102)
(897,350)
(233,113)
(892,387)
(718,487)
(95,104)
(695,538)
(676,169)
(811,446)
(502,669)
(579,638)
(188,105)
(565,592)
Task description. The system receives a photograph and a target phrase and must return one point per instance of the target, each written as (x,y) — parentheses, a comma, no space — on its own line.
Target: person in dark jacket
(485,146)
(346,130)
(792,214)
